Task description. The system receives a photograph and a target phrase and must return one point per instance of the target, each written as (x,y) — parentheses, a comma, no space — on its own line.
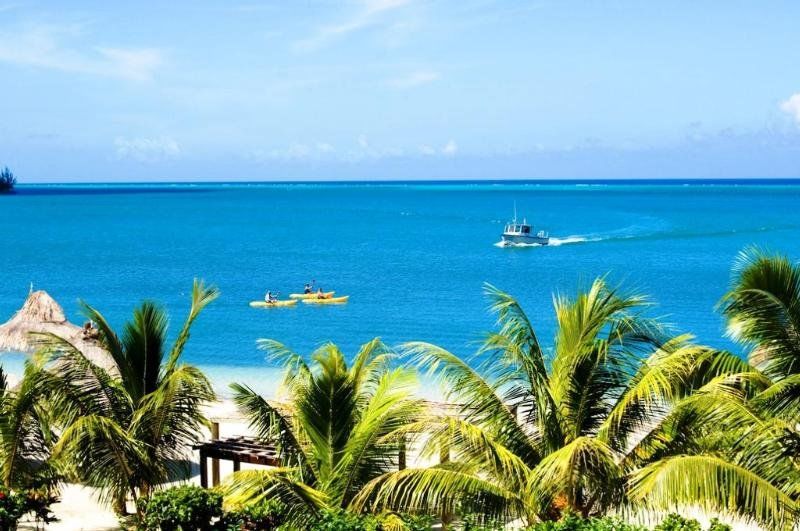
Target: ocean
(412,256)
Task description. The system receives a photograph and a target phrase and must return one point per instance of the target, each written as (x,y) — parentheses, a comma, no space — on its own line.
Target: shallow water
(413,257)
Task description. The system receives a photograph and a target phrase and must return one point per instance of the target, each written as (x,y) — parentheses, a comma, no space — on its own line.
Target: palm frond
(763,310)
(202,296)
(438,490)
(714,484)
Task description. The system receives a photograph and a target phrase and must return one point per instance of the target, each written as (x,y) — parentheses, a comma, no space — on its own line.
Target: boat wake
(554,242)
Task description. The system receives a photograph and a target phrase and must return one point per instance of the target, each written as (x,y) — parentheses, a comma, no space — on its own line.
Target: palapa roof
(42,314)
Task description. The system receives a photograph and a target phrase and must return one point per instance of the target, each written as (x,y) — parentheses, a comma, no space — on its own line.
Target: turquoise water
(413,257)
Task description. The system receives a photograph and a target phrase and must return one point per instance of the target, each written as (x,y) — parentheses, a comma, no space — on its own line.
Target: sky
(398,89)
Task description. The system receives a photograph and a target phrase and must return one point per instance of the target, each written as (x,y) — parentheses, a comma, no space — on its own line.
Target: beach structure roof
(42,314)
(237,449)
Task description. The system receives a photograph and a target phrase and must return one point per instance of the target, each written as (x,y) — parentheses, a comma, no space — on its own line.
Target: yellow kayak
(332,300)
(310,295)
(276,304)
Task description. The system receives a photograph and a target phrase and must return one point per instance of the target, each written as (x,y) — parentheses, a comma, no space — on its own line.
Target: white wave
(554,242)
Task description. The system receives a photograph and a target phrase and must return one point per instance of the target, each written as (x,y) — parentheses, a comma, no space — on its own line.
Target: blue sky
(398,89)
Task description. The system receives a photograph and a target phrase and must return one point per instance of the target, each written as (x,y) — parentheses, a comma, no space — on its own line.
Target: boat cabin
(517,228)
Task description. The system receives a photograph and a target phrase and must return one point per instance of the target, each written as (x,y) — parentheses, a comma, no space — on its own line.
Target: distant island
(7,181)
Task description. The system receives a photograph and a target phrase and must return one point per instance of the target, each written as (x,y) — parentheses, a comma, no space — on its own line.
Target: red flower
(2,495)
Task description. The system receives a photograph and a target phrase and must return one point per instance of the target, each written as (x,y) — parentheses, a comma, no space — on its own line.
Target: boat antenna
(515,211)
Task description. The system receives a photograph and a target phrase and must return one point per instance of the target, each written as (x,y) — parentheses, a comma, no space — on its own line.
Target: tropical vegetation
(7,180)
(614,414)
(618,414)
(334,432)
(124,429)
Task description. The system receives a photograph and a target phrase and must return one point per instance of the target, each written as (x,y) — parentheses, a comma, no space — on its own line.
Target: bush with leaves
(12,506)
(573,522)
(340,520)
(185,508)
(265,516)
(676,522)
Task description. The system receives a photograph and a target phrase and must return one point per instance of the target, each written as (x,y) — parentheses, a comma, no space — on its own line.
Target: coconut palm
(25,438)
(763,313)
(333,431)
(618,413)
(126,430)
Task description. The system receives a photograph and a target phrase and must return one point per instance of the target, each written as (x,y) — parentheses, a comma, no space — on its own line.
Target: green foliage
(340,520)
(14,505)
(676,522)
(340,427)
(185,508)
(716,525)
(672,522)
(618,413)
(7,180)
(572,522)
(125,430)
(265,516)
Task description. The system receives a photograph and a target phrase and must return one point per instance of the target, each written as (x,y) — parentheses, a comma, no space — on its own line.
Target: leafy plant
(573,522)
(676,522)
(336,431)
(264,516)
(617,413)
(185,508)
(12,507)
(125,429)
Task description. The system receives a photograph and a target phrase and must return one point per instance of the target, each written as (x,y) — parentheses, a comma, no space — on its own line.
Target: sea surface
(413,257)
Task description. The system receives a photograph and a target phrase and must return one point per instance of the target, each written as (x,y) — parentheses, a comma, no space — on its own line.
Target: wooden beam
(203,471)
(214,460)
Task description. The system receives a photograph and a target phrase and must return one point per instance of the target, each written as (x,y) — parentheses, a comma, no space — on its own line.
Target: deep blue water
(413,257)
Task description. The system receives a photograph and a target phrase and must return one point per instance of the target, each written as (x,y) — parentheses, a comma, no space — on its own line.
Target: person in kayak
(308,289)
(269,298)
(320,294)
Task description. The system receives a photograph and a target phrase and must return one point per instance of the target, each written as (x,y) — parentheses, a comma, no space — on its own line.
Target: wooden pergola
(237,449)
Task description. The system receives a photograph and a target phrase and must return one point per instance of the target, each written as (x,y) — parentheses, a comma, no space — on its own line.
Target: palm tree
(25,438)
(763,312)
(333,431)
(126,429)
(616,414)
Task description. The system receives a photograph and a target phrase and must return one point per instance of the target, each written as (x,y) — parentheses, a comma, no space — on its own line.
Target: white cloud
(368,15)
(450,149)
(147,149)
(294,152)
(415,79)
(792,107)
(362,142)
(427,150)
(44,46)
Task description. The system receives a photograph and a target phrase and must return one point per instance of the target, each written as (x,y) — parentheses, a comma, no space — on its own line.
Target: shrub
(265,516)
(12,507)
(344,521)
(716,525)
(572,522)
(676,522)
(185,508)
(7,180)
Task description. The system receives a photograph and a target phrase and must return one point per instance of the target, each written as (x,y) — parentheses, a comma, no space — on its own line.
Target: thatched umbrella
(42,314)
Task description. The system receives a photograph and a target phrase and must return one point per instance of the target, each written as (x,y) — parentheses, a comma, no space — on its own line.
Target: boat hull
(520,239)
(309,295)
(275,304)
(331,300)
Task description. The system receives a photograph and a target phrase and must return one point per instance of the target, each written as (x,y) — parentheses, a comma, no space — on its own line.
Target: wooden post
(203,470)
(214,460)
(236,465)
